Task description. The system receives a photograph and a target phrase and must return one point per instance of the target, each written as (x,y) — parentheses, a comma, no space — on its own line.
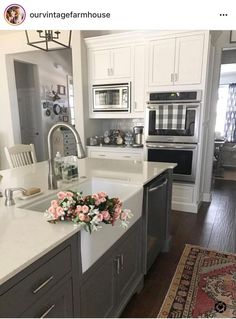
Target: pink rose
(61,195)
(54,203)
(51,210)
(106,215)
(86,218)
(118,209)
(102,199)
(100,217)
(85,209)
(95,196)
(78,209)
(97,202)
(59,211)
(102,194)
(116,215)
(69,194)
(81,217)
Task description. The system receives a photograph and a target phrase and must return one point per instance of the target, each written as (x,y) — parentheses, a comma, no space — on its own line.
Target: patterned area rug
(204,286)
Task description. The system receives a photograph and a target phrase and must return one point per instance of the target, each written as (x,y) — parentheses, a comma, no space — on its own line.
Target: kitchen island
(26,237)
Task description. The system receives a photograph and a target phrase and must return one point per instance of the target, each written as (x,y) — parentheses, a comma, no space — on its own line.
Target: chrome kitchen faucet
(52,181)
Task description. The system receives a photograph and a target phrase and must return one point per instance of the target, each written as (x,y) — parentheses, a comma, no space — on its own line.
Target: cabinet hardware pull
(102,155)
(117,260)
(47,311)
(43,284)
(122,261)
(172,77)
(111,71)
(127,156)
(158,186)
(176,77)
(108,71)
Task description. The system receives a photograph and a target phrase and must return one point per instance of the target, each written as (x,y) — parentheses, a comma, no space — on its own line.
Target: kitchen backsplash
(121,124)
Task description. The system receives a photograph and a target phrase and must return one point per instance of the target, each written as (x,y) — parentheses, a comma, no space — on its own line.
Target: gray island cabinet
(114,278)
(54,284)
(48,287)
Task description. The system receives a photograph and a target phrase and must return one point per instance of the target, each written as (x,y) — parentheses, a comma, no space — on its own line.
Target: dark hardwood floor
(213,227)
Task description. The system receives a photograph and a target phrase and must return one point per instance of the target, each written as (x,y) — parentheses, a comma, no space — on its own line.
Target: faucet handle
(9,201)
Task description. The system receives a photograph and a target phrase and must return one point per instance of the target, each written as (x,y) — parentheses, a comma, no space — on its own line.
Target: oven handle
(190,105)
(172,147)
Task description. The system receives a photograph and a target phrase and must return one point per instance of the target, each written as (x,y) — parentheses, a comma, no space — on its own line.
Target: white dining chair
(20,155)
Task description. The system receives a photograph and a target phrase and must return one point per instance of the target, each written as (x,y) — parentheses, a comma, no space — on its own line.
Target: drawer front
(68,135)
(57,303)
(97,154)
(116,155)
(69,152)
(31,288)
(128,156)
(69,141)
(69,147)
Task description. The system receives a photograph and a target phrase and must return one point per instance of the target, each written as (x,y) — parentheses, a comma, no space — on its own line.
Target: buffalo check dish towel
(170,117)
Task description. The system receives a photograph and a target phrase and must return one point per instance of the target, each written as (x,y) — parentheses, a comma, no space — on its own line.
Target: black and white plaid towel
(170,117)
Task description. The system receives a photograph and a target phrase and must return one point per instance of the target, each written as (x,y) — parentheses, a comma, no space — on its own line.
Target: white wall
(14,43)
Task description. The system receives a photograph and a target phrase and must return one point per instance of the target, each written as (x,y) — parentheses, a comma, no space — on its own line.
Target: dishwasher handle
(153,189)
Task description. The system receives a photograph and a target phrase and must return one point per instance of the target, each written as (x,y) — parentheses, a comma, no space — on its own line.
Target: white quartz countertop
(25,235)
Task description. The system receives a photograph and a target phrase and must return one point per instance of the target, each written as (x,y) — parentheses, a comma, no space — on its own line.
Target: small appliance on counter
(138,136)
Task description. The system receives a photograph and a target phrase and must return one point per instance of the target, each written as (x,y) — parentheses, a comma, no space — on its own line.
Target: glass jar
(70,169)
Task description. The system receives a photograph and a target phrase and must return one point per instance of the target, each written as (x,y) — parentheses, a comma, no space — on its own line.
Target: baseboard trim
(185,207)
(207,197)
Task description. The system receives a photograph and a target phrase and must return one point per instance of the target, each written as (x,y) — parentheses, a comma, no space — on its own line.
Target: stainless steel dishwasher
(157,202)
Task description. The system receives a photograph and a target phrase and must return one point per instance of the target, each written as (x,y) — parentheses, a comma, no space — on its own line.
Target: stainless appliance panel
(185,155)
(189,135)
(111,98)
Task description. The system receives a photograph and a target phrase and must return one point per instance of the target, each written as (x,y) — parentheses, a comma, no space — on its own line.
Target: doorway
(44,91)
(225,129)
(28,97)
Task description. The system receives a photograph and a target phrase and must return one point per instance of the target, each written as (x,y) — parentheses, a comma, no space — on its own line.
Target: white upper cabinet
(121,62)
(111,64)
(189,58)
(101,63)
(176,61)
(138,87)
(162,62)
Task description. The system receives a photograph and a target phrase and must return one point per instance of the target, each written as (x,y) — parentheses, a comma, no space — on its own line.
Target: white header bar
(118,15)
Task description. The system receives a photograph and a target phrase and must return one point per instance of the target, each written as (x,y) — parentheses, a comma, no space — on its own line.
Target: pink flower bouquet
(88,211)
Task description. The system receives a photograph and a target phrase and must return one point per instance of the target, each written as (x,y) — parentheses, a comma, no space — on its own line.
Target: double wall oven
(172,129)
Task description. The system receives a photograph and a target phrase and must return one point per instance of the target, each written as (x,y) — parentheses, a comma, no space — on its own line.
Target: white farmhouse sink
(91,186)
(94,245)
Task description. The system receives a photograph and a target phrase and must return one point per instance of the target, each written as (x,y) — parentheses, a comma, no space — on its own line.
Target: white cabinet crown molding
(134,37)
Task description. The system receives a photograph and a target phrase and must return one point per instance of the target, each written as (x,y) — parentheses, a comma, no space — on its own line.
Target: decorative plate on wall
(56,109)
(48,112)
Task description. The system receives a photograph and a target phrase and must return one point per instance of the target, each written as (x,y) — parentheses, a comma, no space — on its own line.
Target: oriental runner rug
(204,286)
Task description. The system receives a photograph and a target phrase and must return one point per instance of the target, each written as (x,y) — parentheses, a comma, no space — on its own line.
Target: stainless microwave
(111,98)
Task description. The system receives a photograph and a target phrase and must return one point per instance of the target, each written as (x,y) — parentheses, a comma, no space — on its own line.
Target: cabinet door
(139,78)
(57,303)
(128,269)
(97,291)
(161,64)
(101,64)
(121,63)
(189,58)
